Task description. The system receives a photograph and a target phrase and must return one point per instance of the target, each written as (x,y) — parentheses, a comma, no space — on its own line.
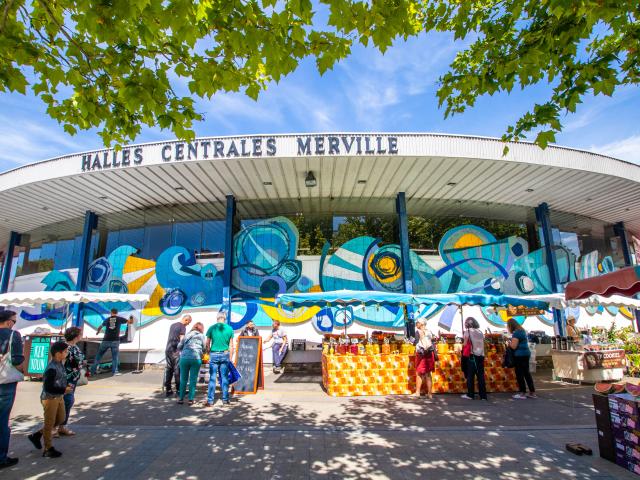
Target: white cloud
(28,141)
(626,149)
(375,82)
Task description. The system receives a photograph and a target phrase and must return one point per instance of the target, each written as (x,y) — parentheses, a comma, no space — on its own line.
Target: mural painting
(265,263)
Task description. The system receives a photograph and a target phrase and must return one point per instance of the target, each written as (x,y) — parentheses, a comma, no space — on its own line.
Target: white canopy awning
(22,299)
(557,300)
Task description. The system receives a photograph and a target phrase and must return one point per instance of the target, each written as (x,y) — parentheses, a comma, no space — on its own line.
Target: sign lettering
(224,148)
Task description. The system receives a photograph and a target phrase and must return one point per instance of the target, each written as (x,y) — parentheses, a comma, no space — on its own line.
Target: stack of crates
(625,429)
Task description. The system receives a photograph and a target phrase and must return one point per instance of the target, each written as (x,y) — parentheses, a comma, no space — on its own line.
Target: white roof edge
(284,135)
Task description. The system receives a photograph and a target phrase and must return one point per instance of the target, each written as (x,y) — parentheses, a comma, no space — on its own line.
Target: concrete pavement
(128,429)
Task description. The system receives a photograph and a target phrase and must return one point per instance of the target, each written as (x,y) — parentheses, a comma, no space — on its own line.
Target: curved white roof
(355,172)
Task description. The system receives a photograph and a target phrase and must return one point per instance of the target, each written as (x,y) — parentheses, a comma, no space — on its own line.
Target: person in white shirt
(279,347)
(475,363)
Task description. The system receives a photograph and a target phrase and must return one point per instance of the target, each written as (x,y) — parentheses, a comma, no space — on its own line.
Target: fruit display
(384,374)
(448,376)
(632,389)
(607,388)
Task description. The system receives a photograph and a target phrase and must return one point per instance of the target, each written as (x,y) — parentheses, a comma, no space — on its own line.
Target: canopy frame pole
(139,332)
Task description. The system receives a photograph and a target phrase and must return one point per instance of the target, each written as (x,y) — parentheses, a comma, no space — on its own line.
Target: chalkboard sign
(249,364)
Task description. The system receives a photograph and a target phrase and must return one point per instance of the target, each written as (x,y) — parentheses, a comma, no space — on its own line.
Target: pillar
(14,239)
(90,224)
(407,271)
(620,230)
(544,223)
(228,254)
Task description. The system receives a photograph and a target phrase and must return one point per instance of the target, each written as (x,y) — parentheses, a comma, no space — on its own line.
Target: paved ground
(292,429)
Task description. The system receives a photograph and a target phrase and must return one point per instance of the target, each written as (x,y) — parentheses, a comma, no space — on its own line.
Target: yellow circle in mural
(468,240)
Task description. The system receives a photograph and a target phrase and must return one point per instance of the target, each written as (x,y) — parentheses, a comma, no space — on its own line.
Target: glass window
(188,235)
(157,238)
(133,238)
(113,240)
(213,233)
(64,255)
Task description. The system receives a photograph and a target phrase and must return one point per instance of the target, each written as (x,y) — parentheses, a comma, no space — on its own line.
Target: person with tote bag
(11,372)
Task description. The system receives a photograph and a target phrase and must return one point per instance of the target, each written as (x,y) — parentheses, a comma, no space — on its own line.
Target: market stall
(37,345)
(384,363)
(598,360)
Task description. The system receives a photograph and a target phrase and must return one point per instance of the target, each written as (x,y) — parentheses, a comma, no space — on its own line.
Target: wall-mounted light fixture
(310,179)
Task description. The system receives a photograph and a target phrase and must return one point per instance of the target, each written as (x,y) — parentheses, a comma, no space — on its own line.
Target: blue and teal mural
(265,264)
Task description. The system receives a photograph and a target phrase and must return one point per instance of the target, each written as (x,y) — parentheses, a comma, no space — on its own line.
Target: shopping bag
(508,359)
(234,375)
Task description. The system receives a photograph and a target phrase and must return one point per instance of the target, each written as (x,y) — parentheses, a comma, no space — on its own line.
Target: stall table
(588,366)
(395,373)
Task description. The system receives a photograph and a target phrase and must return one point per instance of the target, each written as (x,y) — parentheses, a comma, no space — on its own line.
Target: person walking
(250,330)
(111,340)
(73,367)
(219,344)
(279,347)
(474,339)
(521,356)
(425,359)
(11,372)
(54,387)
(177,332)
(190,347)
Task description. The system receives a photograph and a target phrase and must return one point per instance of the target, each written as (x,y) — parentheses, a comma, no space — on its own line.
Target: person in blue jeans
(111,340)
(11,359)
(190,347)
(73,367)
(220,344)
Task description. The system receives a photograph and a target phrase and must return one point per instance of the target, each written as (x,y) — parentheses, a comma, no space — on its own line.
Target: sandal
(65,432)
(191,402)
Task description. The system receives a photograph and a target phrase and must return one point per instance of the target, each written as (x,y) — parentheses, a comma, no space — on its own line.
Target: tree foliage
(115,65)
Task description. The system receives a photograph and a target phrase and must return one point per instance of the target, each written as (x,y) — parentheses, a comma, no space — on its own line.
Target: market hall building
(228,223)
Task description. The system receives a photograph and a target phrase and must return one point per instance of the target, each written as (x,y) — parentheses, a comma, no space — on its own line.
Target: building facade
(229,223)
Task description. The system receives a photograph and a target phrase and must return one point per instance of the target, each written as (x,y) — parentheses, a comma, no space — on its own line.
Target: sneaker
(208,405)
(180,402)
(191,402)
(520,396)
(117,374)
(226,402)
(36,439)
(532,395)
(168,394)
(8,462)
(52,453)
(466,397)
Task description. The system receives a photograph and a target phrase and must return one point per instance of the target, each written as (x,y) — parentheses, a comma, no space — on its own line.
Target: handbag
(83,380)
(8,372)
(467,348)
(508,360)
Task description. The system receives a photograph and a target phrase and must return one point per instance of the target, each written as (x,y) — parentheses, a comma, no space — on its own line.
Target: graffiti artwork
(265,264)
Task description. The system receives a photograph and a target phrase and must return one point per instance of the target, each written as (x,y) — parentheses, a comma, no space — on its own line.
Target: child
(54,386)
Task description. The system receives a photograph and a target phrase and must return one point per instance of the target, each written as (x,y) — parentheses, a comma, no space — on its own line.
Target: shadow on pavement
(303,433)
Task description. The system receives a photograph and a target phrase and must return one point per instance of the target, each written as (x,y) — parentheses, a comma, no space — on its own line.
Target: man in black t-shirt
(172,356)
(110,341)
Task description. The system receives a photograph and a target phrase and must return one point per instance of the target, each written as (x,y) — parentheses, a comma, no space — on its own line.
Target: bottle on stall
(386,348)
(354,346)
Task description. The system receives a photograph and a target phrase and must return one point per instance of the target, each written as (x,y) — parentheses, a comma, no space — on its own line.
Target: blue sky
(394,92)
